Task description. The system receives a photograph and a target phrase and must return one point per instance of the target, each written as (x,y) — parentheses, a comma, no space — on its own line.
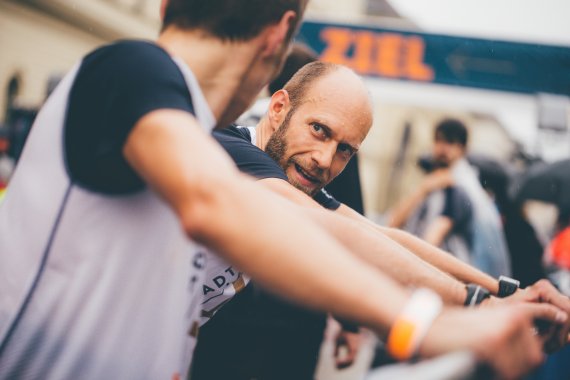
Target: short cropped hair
(298,85)
(451,131)
(235,20)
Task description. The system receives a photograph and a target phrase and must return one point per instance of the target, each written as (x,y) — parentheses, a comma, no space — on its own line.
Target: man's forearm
(390,257)
(297,259)
(360,236)
(437,257)
(442,260)
(254,229)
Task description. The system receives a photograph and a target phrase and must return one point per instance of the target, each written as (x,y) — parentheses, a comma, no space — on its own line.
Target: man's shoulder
(237,140)
(132,69)
(131,63)
(129,50)
(233,132)
(247,156)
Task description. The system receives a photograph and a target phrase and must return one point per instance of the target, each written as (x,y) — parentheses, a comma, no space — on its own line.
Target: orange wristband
(413,323)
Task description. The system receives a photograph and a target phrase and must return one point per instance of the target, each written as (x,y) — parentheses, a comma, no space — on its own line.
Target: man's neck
(263,133)
(219,66)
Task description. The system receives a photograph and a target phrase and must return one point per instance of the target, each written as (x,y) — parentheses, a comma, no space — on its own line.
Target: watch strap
(475,295)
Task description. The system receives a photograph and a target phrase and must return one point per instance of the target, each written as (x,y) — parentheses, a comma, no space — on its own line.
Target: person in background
(437,211)
(6,162)
(257,317)
(557,263)
(524,246)
(457,205)
(558,251)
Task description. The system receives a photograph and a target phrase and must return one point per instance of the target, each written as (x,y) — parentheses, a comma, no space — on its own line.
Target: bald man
(257,318)
(311,130)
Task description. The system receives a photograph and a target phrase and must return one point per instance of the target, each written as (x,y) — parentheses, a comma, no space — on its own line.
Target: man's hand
(502,337)
(347,345)
(556,335)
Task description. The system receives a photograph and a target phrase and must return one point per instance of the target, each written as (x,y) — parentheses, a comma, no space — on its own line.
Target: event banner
(450,60)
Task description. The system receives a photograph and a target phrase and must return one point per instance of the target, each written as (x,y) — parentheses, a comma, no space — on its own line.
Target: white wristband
(413,323)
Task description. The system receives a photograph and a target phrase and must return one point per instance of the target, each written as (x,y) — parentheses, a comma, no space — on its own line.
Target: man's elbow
(204,208)
(210,212)
(192,224)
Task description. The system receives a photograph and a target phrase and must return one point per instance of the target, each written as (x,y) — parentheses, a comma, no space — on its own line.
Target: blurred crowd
(467,203)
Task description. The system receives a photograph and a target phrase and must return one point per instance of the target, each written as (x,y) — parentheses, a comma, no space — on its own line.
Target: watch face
(507,286)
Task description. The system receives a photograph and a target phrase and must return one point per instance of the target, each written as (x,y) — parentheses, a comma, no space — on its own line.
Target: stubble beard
(277,145)
(276,148)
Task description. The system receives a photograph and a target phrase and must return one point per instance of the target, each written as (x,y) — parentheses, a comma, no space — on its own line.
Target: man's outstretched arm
(542,291)
(262,234)
(373,246)
(429,267)
(437,257)
(253,228)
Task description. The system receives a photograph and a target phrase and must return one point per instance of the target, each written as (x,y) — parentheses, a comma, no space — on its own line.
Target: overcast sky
(541,21)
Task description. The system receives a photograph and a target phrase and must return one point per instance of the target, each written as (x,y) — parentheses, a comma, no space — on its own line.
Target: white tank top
(93,286)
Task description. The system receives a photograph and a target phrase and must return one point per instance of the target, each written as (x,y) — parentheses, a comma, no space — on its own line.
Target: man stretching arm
(311,129)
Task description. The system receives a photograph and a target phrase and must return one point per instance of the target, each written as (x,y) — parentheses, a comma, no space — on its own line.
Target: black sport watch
(507,286)
(476,294)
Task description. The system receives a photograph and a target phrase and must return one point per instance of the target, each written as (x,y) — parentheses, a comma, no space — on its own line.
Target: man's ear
(279,107)
(277,33)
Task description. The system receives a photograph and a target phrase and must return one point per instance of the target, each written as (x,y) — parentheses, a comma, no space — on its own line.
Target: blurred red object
(561,249)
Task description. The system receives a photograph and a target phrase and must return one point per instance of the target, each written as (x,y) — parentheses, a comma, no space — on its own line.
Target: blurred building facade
(40,40)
